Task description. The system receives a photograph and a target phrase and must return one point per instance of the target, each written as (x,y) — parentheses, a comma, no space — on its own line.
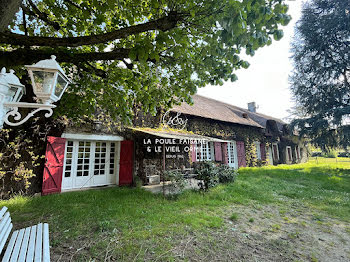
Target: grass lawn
(283,213)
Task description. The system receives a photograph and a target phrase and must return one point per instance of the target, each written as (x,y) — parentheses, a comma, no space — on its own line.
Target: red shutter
(126,162)
(193,152)
(241,154)
(224,150)
(53,169)
(218,152)
(263,151)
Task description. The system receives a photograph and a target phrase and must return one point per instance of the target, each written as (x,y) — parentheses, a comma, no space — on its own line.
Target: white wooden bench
(26,244)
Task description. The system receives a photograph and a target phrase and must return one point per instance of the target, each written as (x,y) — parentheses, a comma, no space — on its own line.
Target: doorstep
(87,188)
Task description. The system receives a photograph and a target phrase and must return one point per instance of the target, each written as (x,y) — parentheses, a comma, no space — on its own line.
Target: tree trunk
(8,9)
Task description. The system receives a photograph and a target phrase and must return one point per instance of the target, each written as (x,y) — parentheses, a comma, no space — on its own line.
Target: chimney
(252,107)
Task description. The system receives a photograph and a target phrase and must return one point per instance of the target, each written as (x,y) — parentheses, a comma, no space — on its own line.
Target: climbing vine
(22,151)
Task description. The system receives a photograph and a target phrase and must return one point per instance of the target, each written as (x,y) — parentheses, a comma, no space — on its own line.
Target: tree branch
(8,9)
(28,56)
(164,24)
(91,69)
(37,13)
(69,2)
(128,65)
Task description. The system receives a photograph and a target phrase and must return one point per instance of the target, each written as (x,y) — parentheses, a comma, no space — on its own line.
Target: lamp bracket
(17,115)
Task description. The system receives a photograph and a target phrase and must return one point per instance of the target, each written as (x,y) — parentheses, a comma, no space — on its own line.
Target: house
(208,130)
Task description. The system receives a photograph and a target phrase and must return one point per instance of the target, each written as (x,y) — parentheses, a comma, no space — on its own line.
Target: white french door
(232,154)
(90,163)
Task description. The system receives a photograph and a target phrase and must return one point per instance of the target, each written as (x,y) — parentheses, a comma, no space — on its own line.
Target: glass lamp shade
(15,88)
(48,80)
(17,92)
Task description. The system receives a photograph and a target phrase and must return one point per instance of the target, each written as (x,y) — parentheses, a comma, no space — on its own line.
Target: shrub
(177,179)
(226,174)
(208,173)
(211,174)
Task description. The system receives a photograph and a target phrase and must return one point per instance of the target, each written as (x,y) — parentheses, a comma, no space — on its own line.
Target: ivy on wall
(22,151)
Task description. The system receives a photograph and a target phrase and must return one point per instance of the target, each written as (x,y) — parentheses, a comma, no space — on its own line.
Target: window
(289,153)
(275,152)
(232,154)
(100,158)
(112,159)
(258,151)
(83,165)
(205,151)
(79,155)
(69,157)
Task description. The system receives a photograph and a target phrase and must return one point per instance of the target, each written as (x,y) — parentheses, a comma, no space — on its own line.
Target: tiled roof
(216,110)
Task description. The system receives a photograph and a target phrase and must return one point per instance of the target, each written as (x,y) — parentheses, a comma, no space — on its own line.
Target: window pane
(60,85)
(43,81)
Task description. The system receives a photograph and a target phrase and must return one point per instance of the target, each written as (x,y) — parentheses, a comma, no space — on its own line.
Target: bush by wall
(212,174)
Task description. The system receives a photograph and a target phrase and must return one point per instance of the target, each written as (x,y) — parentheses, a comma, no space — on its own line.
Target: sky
(266,80)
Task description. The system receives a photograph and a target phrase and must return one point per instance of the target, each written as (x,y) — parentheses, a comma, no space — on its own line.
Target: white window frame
(258,151)
(287,155)
(209,156)
(91,137)
(232,162)
(273,152)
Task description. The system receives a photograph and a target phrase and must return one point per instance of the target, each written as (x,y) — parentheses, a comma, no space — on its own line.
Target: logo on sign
(178,121)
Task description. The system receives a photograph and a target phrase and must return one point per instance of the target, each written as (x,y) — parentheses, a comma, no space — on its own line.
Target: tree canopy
(140,53)
(320,81)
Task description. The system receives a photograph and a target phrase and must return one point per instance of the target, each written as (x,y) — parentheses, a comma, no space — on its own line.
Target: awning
(176,134)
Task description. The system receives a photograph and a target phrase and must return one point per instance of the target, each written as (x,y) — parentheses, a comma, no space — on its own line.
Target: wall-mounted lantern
(49,83)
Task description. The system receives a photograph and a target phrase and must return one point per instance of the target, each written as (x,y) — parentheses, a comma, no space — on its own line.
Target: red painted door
(126,162)
(241,154)
(53,169)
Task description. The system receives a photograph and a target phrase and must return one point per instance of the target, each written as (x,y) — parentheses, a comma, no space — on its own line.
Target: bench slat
(7,233)
(2,211)
(27,244)
(4,220)
(31,246)
(17,248)
(6,227)
(39,243)
(24,247)
(46,252)
(10,246)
